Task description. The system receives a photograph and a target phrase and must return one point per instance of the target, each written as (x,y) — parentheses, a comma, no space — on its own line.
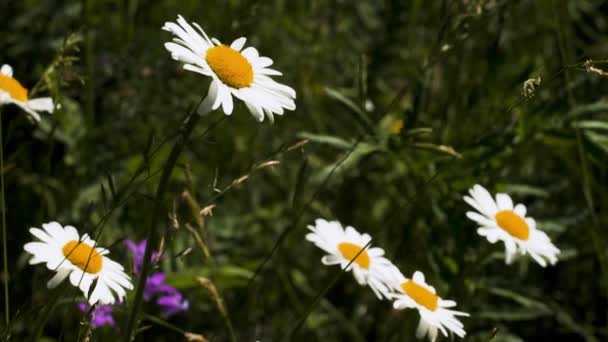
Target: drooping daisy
(343,245)
(500,220)
(434,316)
(68,254)
(235,71)
(11,91)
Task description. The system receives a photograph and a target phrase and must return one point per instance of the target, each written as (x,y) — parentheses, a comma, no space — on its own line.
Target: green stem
(152,233)
(4,244)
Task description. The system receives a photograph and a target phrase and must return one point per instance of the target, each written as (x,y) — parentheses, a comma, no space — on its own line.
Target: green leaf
(598,140)
(226,276)
(361,115)
(524,190)
(570,323)
(529,303)
(599,106)
(512,315)
(326,140)
(422,131)
(591,124)
(70,127)
(344,164)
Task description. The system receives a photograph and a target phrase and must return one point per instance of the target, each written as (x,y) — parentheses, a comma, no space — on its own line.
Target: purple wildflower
(172,304)
(101,315)
(156,284)
(169,298)
(139,250)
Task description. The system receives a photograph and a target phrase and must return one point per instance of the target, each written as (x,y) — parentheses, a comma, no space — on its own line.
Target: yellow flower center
(513,224)
(421,295)
(230,66)
(13,88)
(83,256)
(350,251)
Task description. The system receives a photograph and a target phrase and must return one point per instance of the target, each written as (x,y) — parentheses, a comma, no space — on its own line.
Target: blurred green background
(402,106)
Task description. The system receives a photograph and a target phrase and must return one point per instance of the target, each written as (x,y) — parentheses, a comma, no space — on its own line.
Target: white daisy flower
(234,71)
(500,220)
(68,254)
(434,316)
(11,91)
(343,245)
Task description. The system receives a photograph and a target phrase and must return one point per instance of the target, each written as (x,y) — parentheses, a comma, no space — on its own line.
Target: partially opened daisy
(234,70)
(345,245)
(11,91)
(69,254)
(500,220)
(434,316)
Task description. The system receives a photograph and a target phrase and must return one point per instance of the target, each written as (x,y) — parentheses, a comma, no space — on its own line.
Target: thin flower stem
(300,321)
(4,242)
(152,233)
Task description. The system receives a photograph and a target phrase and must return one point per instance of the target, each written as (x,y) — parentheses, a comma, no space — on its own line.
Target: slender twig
(4,243)
(199,241)
(152,233)
(241,179)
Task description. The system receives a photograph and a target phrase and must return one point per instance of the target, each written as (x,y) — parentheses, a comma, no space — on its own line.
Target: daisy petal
(58,278)
(238,43)
(6,70)
(504,202)
(206,105)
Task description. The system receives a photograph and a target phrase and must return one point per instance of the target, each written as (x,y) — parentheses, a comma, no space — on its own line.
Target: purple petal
(138,250)
(101,315)
(172,304)
(154,284)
